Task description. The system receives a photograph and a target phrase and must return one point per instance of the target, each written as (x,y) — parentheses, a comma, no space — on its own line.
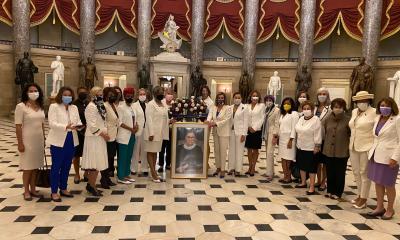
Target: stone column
(87,28)
(144,34)
(21,25)
(372,31)
(198,16)
(250,38)
(307,28)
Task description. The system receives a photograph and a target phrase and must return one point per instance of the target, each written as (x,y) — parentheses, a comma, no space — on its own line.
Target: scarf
(101,109)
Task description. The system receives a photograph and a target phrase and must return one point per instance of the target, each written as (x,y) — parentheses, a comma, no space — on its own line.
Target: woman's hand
(151,138)
(21,147)
(172,121)
(317,150)
(105,136)
(135,128)
(252,130)
(393,163)
(242,138)
(275,140)
(290,143)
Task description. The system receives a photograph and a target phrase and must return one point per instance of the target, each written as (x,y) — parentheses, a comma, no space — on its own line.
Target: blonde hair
(95,90)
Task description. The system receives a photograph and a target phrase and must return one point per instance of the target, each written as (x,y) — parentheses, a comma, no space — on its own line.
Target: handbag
(43,175)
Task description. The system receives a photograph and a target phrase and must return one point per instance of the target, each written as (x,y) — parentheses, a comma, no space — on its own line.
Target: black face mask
(82,96)
(160,97)
(129,100)
(112,99)
(98,99)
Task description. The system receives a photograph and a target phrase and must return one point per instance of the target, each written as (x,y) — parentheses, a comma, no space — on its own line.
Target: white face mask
(337,111)
(269,104)
(33,96)
(237,101)
(322,98)
(307,113)
(142,98)
(362,106)
(302,99)
(254,98)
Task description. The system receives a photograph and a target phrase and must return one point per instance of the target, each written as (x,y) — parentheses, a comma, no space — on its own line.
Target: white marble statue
(58,75)
(274,84)
(168,35)
(395,87)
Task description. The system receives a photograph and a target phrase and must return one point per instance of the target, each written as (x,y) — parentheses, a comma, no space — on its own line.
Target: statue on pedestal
(58,75)
(244,86)
(144,78)
(274,84)
(303,80)
(395,87)
(198,81)
(90,74)
(168,36)
(25,70)
(362,78)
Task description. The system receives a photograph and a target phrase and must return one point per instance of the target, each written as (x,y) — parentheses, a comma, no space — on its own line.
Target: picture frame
(189,150)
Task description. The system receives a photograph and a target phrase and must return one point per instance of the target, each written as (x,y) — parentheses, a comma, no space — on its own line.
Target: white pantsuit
(239,125)
(138,150)
(270,128)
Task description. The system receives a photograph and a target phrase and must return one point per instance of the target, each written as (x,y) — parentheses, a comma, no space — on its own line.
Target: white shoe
(124,181)
(130,180)
(156,180)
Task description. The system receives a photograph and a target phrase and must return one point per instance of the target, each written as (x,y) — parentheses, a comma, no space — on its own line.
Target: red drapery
(391,18)
(5,12)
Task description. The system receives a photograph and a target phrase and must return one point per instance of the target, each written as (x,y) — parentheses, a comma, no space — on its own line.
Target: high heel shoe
(222,174)
(93,191)
(377,214)
(216,172)
(387,217)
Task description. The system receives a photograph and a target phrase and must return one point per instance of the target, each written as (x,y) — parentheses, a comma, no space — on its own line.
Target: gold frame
(177,125)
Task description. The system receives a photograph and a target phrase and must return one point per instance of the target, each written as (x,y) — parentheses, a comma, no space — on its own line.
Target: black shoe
(145,174)
(300,186)
(110,183)
(168,167)
(310,193)
(77,181)
(66,195)
(85,179)
(93,191)
(160,170)
(133,173)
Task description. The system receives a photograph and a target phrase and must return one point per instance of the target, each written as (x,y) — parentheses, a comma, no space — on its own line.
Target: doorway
(224,86)
(112,80)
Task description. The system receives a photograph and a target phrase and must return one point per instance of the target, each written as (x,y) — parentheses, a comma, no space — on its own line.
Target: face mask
(255,99)
(385,111)
(307,113)
(287,107)
(322,98)
(98,98)
(338,111)
(142,98)
(33,96)
(82,96)
(160,97)
(237,101)
(129,100)
(269,104)
(112,99)
(362,106)
(119,96)
(169,97)
(220,102)
(66,99)
(302,99)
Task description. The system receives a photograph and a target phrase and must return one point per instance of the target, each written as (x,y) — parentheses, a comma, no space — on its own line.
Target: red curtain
(40,10)
(69,14)
(5,12)
(390,18)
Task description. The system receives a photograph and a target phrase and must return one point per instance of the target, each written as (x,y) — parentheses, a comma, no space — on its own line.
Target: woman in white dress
(94,157)
(29,119)
(287,137)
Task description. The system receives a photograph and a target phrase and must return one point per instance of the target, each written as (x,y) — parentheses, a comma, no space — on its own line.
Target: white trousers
(139,154)
(221,145)
(359,164)
(269,150)
(236,152)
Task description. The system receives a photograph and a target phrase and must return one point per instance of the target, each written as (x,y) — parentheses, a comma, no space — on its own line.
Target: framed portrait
(189,150)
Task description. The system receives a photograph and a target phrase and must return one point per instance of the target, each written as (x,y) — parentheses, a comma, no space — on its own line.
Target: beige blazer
(95,125)
(386,145)
(240,120)
(272,118)
(156,122)
(112,121)
(140,119)
(361,126)
(223,127)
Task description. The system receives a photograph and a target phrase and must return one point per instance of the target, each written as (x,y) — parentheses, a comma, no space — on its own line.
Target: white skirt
(94,153)
(152,146)
(284,152)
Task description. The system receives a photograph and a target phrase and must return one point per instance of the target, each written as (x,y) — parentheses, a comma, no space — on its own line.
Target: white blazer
(112,122)
(156,122)
(240,120)
(126,115)
(325,112)
(386,145)
(95,125)
(256,118)
(223,127)
(59,118)
(140,119)
(271,119)
(361,126)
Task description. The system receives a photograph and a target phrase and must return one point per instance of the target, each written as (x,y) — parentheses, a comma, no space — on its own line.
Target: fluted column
(307,28)
(372,31)
(250,38)
(198,16)
(87,28)
(21,24)
(144,34)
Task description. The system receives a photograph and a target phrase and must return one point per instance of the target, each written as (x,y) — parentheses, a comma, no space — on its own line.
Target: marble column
(198,16)
(307,28)
(372,31)
(87,29)
(250,38)
(144,34)
(21,25)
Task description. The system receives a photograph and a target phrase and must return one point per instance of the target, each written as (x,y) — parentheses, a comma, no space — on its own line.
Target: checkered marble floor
(231,208)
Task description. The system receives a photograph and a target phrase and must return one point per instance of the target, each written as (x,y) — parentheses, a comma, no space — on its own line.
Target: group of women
(316,139)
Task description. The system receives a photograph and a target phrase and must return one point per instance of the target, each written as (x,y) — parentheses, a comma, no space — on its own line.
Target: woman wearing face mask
(165,154)
(254,134)
(139,155)
(63,138)
(287,137)
(126,136)
(110,95)
(384,156)
(309,139)
(361,140)
(239,127)
(302,97)
(270,133)
(219,118)
(336,147)
(29,119)
(120,97)
(156,129)
(94,157)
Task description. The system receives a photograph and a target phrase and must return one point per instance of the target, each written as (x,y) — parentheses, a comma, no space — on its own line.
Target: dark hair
(58,98)
(120,90)
(291,103)
(25,97)
(81,88)
(297,98)
(392,104)
(309,103)
(207,88)
(157,89)
(339,101)
(107,91)
(270,97)
(251,94)
(236,93)
(220,94)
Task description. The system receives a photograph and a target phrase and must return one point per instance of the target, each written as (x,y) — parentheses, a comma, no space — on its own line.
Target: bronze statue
(244,86)
(198,81)
(144,77)
(25,70)
(303,80)
(362,78)
(90,73)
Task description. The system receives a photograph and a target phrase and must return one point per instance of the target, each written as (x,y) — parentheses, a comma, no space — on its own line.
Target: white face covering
(307,113)
(269,104)
(322,98)
(302,99)
(142,98)
(237,101)
(33,96)
(254,98)
(362,106)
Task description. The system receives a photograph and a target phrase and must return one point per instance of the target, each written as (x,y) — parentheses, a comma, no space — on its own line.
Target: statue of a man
(303,80)
(244,85)
(396,94)
(24,71)
(90,73)
(197,80)
(362,78)
(58,75)
(144,77)
(274,84)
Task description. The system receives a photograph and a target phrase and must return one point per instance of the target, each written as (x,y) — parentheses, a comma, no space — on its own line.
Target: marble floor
(231,208)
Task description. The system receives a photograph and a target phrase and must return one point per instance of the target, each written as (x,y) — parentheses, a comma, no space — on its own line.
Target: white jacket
(95,125)
(256,118)
(223,127)
(126,114)
(386,145)
(140,119)
(361,126)
(156,122)
(112,122)
(59,118)
(240,120)
(271,120)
